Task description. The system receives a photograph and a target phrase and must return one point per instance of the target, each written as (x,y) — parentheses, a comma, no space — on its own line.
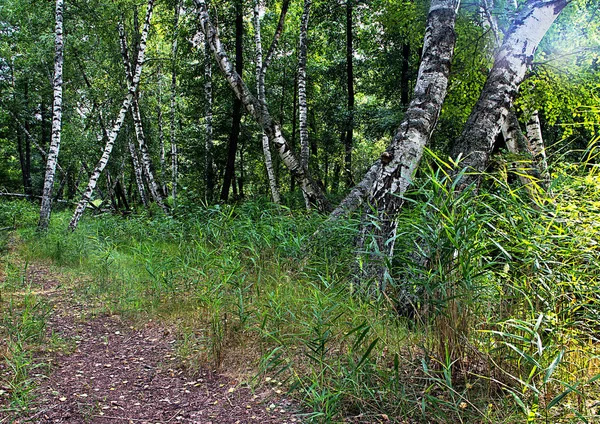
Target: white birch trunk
(259,113)
(137,170)
(209,173)
(260,89)
(400,160)
(536,146)
(155,189)
(52,159)
(114,132)
(475,143)
(161,144)
(302,105)
(174,158)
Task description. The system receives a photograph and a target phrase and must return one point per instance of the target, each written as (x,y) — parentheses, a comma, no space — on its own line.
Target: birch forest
(299,211)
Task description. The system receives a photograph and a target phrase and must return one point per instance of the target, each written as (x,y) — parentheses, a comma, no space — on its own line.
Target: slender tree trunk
(117,125)
(174,156)
(137,170)
(155,189)
(153,185)
(400,160)
(294,126)
(350,84)
(475,144)
(260,89)
(259,112)
(161,146)
(237,105)
(208,98)
(516,144)
(52,160)
(536,146)
(302,105)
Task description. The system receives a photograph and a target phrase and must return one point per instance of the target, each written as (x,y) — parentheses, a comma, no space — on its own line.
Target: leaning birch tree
(52,157)
(259,112)
(114,132)
(261,69)
(393,175)
(155,189)
(474,146)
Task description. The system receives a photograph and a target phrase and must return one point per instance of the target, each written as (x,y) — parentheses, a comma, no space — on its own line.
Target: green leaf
(553,366)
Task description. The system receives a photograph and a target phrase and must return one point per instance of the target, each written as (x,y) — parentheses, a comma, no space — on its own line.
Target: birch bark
(155,189)
(93,181)
(398,163)
(174,156)
(302,105)
(260,114)
(208,144)
(350,84)
(475,144)
(260,89)
(137,170)
(536,146)
(46,207)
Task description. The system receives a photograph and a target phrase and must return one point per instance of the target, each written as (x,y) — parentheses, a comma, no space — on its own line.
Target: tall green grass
(503,297)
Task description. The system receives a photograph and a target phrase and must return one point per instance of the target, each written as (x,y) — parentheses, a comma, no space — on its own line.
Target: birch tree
(114,132)
(209,174)
(535,144)
(258,112)
(52,158)
(475,144)
(302,105)
(155,189)
(398,163)
(174,157)
(261,70)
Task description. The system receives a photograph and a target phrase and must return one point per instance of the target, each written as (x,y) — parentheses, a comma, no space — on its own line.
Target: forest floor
(92,367)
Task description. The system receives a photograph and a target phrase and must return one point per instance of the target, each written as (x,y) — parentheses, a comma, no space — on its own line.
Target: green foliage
(503,292)
(22,328)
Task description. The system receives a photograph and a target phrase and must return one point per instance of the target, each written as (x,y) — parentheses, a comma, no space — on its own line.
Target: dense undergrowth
(504,296)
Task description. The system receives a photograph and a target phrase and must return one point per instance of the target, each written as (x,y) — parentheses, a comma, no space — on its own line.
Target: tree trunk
(302,105)
(208,98)
(259,113)
(174,156)
(155,189)
(138,172)
(536,147)
(517,145)
(475,144)
(260,89)
(117,125)
(237,105)
(46,207)
(294,126)
(350,85)
(400,160)
(161,147)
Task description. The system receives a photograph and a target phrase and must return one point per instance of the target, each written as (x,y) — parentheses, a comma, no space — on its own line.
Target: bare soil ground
(120,372)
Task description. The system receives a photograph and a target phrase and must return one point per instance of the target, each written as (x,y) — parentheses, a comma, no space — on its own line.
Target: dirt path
(120,374)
